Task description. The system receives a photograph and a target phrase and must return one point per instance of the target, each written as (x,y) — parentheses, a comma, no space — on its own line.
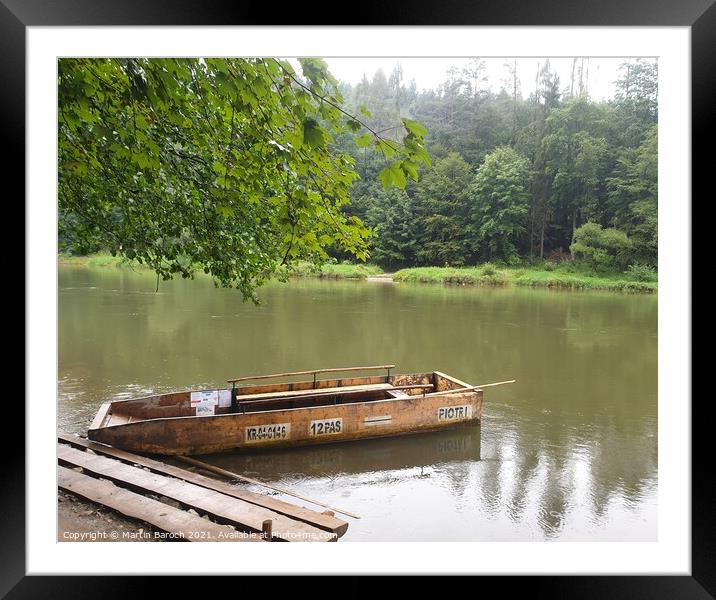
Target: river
(569,452)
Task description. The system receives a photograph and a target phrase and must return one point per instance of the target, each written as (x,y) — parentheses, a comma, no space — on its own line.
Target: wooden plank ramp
(192,491)
(305,515)
(180,523)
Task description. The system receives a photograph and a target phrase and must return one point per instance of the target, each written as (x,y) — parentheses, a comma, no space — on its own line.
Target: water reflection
(568,453)
(431,449)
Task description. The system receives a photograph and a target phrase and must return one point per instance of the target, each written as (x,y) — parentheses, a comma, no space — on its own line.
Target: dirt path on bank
(382,278)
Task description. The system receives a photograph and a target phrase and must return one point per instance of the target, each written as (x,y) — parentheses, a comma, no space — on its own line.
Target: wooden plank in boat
(309,385)
(316,392)
(99,418)
(313,399)
(118,419)
(312,372)
(233,510)
(445,382)
(312,517)
(181,524)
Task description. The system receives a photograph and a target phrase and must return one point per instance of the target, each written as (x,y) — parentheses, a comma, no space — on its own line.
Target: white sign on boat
(205,397)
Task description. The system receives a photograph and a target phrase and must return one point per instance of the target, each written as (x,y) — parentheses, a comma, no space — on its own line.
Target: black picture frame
(699,15)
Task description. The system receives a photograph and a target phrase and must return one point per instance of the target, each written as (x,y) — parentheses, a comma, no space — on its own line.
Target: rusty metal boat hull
(288,414)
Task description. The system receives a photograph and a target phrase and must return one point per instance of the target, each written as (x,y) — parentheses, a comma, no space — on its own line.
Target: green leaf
(142,160)
(419,154)
(315,69)
(393,176)
(313,135)
(410,169)
(388,148)
(364,140)
(286,66)
(365,112)
(415,128)
(225,211)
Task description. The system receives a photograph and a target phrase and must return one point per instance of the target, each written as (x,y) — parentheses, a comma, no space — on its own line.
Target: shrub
(603,249)
(641,272)
(514,260)
(576,266)
(488,269)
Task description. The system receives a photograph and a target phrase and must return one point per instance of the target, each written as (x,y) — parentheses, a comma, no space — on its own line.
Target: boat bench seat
(118,419)
(373,387)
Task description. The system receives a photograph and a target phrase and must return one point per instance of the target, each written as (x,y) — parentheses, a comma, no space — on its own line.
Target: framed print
(189,178)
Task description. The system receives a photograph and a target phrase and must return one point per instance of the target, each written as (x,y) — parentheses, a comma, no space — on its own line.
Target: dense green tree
(394,231)
(225,164)
(475,72)
(441,212)
(633,196)
(636,100)
(588,161)
(499,205)
(546,99)
(576,162)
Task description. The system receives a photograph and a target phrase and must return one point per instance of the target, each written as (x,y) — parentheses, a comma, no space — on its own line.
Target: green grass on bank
(453,275)
(302,269)
(546,275)
(336,271)
(616,282)
(569,276)
(100,260)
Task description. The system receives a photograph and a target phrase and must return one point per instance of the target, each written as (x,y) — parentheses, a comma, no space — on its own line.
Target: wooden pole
(422,386)
(267,529)
(231,475)
(472,387)
(313,372)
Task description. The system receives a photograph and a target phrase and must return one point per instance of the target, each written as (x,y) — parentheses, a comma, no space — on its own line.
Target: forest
(537,170)
(248,169)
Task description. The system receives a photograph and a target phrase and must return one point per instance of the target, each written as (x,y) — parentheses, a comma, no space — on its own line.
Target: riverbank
(100,260)
(82,521)
(565,276)
(544,276)
(302,269)
(337,271)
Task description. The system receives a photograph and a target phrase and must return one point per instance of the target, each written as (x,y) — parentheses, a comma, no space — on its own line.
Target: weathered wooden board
(310,385)
(306,515)
(444,382)
(352,389)
(313,372)
(222,506)
(100,419)
(311,401)
(180,523)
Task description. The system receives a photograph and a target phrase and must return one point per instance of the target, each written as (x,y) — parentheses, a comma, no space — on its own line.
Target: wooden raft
(121,481)
(166,518)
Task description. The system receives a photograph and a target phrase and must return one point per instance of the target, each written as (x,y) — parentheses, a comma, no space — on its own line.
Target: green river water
(569,452)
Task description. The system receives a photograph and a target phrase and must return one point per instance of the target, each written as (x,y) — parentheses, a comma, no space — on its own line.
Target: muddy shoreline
(82,521)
